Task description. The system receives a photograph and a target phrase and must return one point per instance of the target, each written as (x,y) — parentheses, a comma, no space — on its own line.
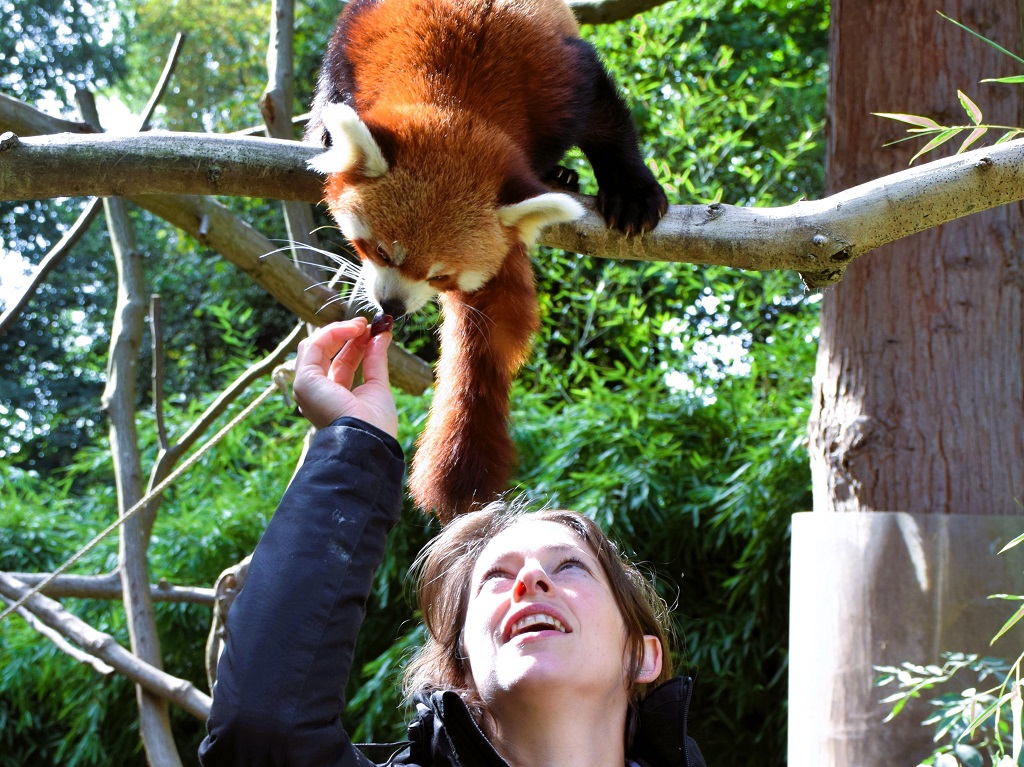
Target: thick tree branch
(218,228)
(103,646)
(58,639)
(26,120)
(818,239)
(165,163)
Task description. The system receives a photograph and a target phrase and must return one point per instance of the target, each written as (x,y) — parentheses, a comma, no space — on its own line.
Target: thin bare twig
(85,219)
(156,337)
(50,262)
(276,108)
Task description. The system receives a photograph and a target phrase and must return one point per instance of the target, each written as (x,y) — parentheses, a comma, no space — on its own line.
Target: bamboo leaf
(1011,79)
(939,140)
(1009,624)
(923,122)
(1009,135)
(1012,543)
(970,107)
(976,134)
(995,45)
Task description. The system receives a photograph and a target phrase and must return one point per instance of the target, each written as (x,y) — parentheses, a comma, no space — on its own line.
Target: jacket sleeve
(278,699)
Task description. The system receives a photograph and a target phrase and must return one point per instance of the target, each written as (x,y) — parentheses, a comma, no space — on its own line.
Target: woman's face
(541,613)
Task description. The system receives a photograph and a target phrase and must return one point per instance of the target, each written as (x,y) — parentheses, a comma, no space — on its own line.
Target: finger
(320,348)
(343,367)
(375,363)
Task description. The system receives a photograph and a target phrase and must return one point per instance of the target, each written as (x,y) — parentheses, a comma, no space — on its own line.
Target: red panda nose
(393,306)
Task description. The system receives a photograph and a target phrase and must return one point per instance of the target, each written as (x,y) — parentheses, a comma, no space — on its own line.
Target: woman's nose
(531,580)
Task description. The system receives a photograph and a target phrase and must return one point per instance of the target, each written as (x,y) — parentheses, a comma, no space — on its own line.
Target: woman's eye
(383,255)
(495,573)
(572,562)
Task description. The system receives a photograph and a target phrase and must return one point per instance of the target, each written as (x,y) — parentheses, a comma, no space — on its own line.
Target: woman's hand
(325,367)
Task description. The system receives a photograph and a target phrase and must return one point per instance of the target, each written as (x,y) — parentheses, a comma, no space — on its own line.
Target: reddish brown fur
(485,339)
(402,45)
(472,104)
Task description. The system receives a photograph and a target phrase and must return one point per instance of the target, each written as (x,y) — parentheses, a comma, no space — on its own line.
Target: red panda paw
(565,179)
(633,208)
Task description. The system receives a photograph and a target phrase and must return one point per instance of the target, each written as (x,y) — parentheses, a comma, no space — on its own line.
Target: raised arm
(278,699)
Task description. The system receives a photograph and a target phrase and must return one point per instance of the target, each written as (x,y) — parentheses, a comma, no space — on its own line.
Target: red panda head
(420,198)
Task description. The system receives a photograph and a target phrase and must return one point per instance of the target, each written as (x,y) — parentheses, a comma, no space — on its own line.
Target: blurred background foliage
(668,401)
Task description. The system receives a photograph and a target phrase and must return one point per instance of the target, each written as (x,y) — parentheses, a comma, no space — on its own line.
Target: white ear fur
(532,215)
(351,144)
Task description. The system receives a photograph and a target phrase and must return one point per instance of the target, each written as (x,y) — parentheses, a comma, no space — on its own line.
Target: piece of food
(382,323)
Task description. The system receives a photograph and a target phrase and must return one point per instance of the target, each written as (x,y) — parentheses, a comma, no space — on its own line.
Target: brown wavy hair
(443,572)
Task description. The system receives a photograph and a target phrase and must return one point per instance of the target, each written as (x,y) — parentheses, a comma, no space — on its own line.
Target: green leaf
(1012,543)
(923,122)
(1009,624)
(972,109)
(995,45)
(968,755)
(976,134)
(942,138)
(1009,135)
(1012,79)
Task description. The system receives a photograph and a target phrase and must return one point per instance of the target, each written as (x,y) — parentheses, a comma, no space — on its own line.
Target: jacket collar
(445,734)
(660,736)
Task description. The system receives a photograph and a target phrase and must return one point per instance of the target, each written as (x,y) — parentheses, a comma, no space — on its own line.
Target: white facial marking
(353,227)
(388,284)
(398,253)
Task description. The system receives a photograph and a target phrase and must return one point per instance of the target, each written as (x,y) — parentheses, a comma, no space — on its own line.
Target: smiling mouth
(535,623)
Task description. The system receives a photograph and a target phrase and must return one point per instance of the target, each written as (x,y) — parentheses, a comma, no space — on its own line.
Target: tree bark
(918,393)
(119,404)
(918,403)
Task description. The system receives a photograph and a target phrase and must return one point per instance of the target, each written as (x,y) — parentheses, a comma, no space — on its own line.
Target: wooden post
(879,588)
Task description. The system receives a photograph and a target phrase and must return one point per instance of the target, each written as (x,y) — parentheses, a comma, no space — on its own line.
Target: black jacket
(293,628)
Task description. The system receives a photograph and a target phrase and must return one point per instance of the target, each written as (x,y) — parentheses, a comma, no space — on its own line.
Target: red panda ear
(352,144)
(530,216)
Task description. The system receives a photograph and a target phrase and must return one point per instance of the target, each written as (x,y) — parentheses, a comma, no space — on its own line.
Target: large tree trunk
(918,392)
(918,396)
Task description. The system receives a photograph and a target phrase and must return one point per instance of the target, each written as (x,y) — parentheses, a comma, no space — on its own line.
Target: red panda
(444,122)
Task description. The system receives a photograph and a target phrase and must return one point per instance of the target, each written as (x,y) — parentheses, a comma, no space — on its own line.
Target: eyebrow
(556,548)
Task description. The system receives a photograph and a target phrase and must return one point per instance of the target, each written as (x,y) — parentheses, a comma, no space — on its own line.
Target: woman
(540,638)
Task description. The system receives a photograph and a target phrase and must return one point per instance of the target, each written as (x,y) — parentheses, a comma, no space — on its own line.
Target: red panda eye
(383,255)
(438,278)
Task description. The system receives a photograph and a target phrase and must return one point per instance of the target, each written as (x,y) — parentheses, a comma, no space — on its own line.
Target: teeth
(548,620)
